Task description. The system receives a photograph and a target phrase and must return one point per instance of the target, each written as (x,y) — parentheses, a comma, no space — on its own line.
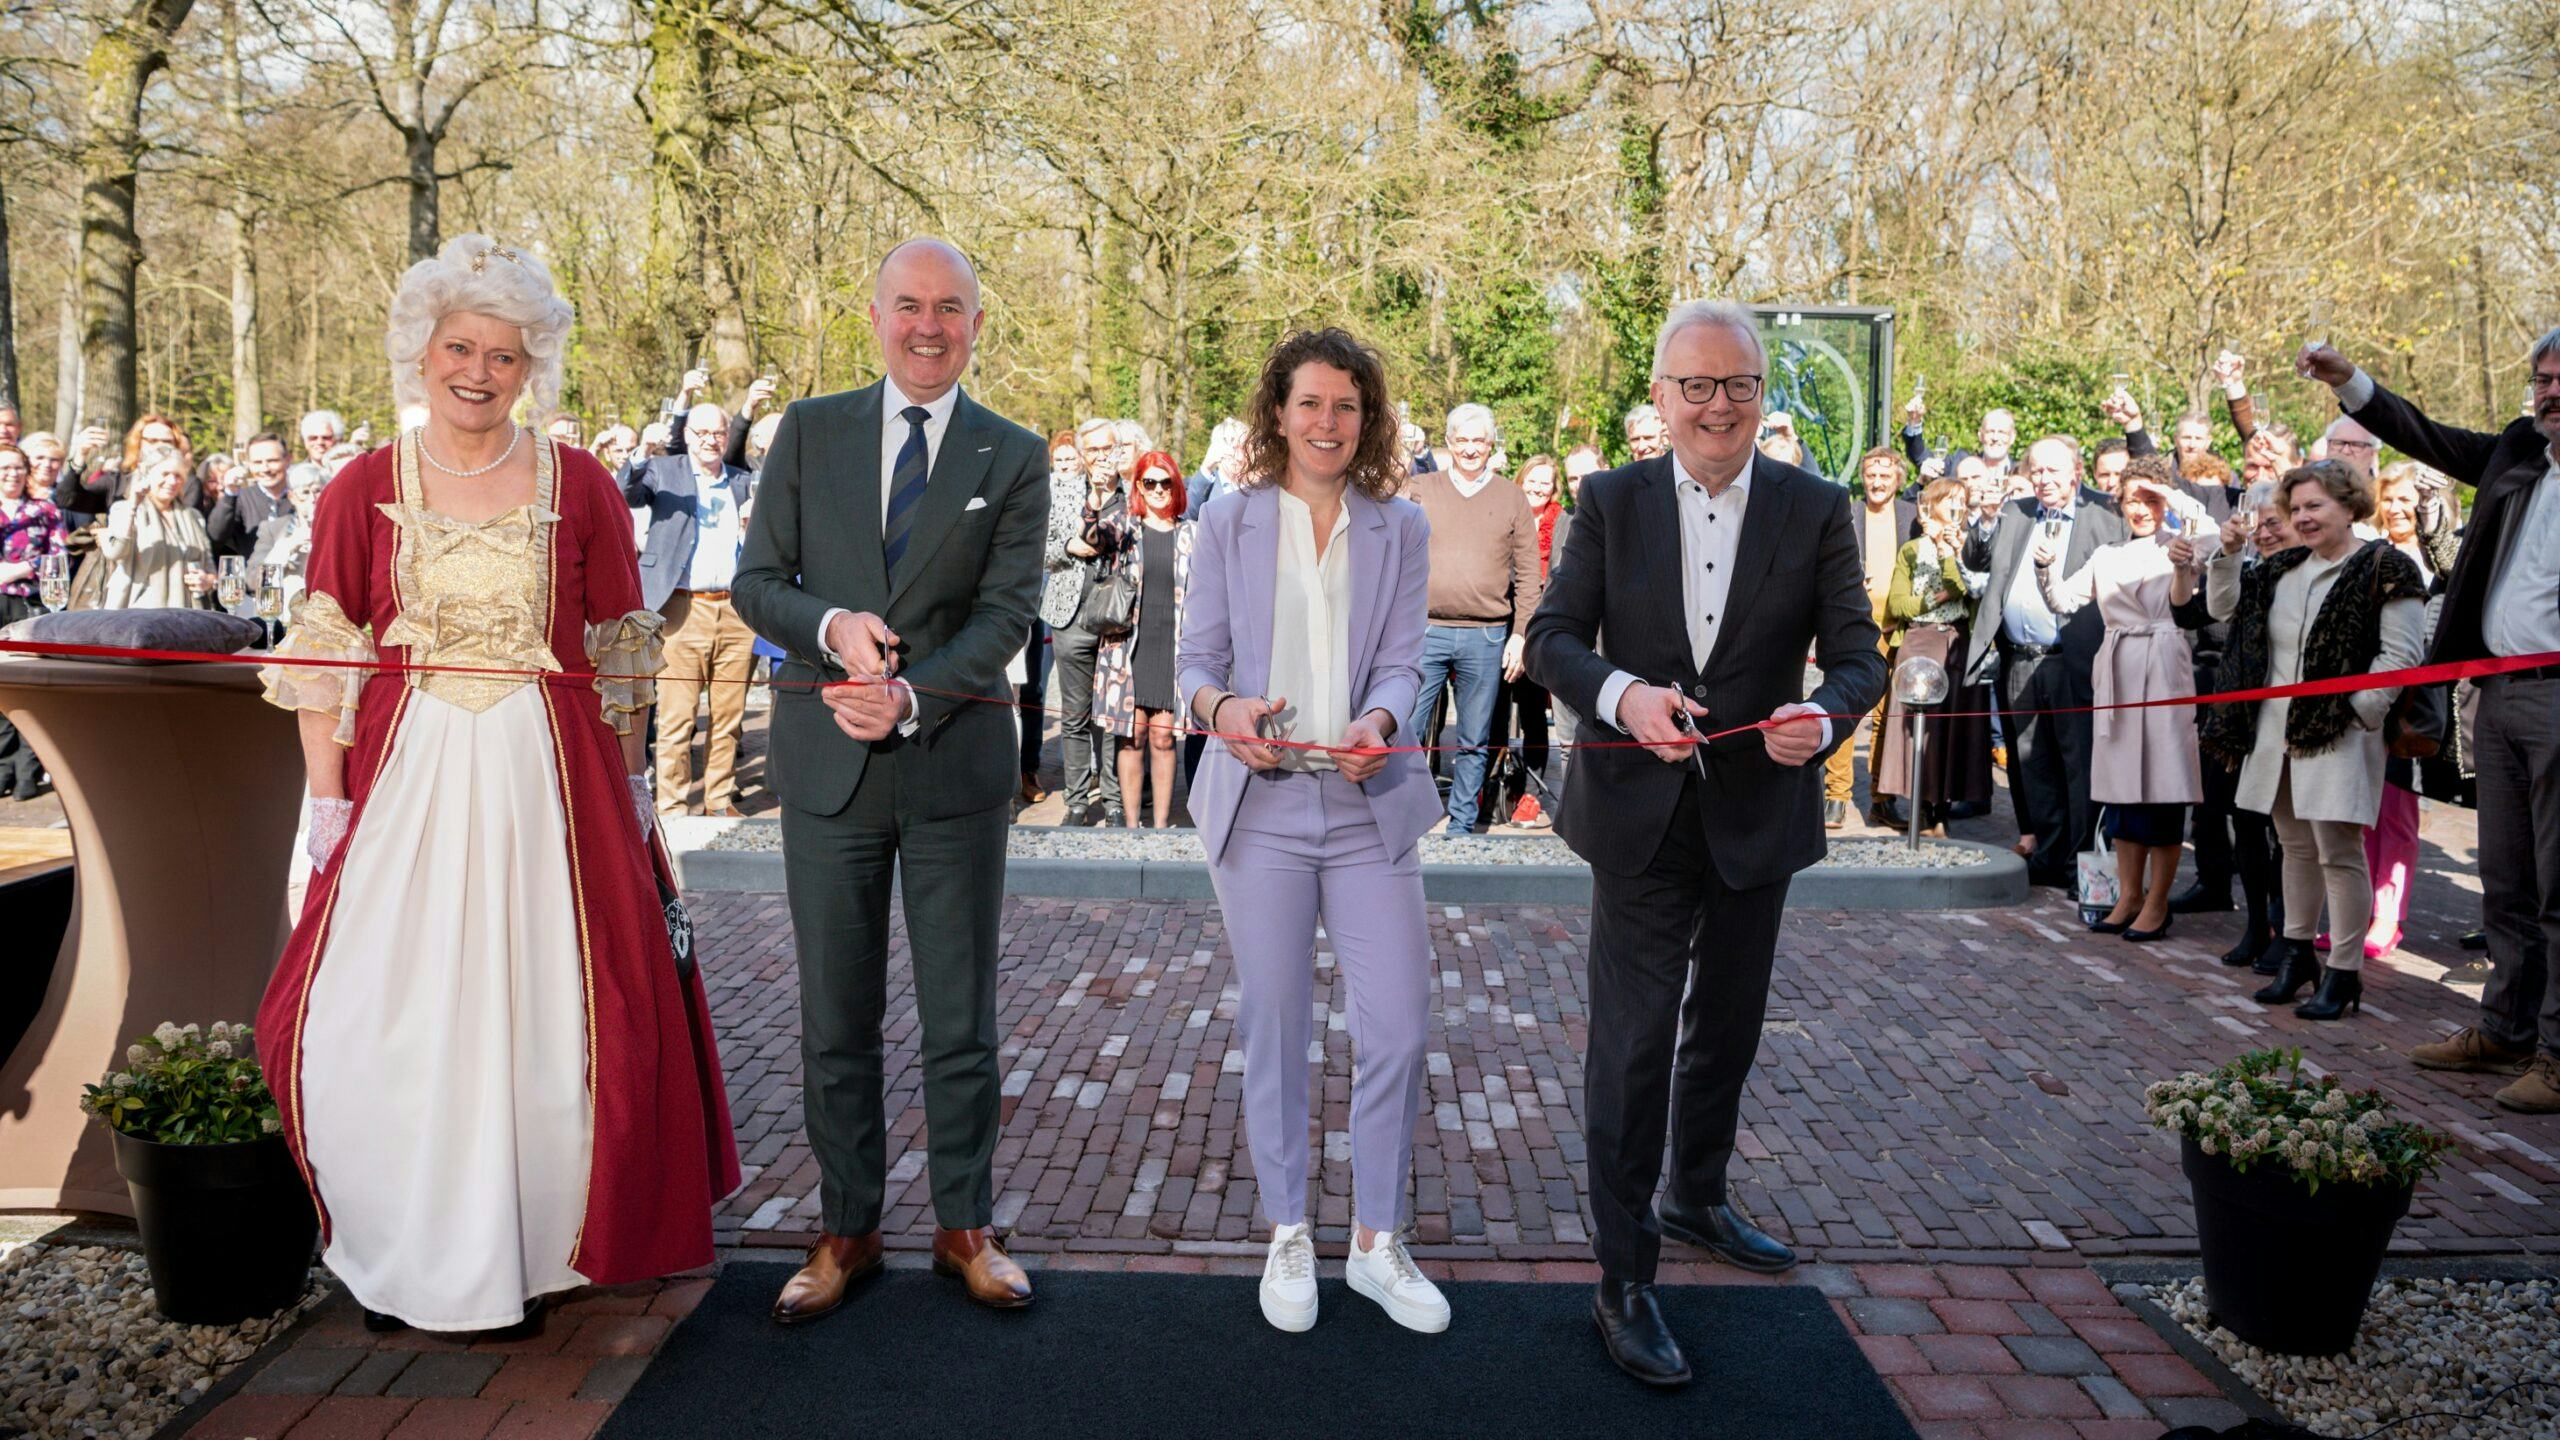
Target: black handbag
(1110,608)
(2415,728)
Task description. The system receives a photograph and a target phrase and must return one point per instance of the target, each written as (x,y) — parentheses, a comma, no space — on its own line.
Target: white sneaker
(1386,1274)
(1289,1278)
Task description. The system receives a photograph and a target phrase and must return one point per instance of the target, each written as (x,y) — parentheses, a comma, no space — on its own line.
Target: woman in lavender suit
(1304,622)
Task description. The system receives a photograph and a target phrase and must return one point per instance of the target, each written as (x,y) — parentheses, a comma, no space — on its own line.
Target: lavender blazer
(1226,644)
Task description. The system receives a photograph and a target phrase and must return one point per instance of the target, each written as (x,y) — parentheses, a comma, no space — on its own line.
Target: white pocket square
(976,502)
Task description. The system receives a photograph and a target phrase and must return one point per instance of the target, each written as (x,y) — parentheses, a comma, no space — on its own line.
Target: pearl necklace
(509,453)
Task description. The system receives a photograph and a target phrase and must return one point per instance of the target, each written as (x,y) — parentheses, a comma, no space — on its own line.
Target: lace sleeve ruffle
(627,657)
(321,631)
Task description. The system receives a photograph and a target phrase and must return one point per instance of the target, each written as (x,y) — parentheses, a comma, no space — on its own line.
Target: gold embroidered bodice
(472,594)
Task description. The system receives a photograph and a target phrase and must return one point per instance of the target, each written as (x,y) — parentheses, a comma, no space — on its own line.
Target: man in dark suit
(897,544)
(698,508)
(2503,598)
(2045,663)
(1689,591)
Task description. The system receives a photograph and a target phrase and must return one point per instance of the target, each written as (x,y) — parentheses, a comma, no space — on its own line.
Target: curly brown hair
(1378,465)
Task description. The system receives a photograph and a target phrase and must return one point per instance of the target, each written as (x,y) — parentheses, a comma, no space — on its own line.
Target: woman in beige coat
(2142,762)
(2335,606)
(156,544)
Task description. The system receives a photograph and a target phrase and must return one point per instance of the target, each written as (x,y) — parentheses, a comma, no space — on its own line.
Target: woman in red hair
(1133,689)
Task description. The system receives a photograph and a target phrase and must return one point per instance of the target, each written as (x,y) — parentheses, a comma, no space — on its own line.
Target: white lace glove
(642,805)
(329,821)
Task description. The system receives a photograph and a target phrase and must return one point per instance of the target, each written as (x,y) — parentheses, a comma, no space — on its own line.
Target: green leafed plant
(2265,1106)
(182,1085)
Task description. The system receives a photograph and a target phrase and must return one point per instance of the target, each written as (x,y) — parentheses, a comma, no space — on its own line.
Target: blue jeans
(1469,658)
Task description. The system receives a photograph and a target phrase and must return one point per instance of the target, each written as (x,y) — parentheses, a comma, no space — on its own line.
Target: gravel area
(83,1354)
(1086,843)
(2426,1346)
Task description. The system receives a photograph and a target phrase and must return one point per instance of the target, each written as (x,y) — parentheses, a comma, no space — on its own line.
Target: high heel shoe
(2145,937)
(2108,927)
(2340,991)
(2300,966)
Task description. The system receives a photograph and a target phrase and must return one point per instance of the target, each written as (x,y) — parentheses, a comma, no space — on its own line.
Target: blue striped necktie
(906,488)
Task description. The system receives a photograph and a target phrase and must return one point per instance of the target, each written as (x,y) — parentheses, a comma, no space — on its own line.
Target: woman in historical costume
(2142,763)
(491,1073)
(1133,696)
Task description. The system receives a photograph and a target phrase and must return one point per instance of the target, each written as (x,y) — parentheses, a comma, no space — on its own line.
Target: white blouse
(1311,631)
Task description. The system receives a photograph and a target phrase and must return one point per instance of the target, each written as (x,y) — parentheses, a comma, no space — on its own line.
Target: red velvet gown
(448,1029)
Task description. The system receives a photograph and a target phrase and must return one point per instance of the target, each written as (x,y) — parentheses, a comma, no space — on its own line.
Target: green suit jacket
(960,601)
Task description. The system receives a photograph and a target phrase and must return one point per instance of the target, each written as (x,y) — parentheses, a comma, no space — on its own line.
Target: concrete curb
(2002,882)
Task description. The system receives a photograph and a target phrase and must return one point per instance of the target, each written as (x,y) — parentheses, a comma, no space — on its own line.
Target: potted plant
(2298,1184)
(227,1227)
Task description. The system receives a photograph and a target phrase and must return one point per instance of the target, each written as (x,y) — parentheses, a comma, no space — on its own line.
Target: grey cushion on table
(203,631)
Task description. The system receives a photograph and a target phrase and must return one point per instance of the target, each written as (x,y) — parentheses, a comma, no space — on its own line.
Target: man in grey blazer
(896,545)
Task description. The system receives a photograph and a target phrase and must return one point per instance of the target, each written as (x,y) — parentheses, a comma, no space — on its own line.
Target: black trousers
(1033,693)
(2049,759)
(2211,824)
(1088,752)
(1679,984)
(1519,719)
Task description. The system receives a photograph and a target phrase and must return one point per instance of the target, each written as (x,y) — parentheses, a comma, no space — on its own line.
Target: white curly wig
(476,274)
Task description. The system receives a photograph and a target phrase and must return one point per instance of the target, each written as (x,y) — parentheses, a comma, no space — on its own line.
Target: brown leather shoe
(2468,1049)
(973,1255)
(835,1262)
(2537,1091)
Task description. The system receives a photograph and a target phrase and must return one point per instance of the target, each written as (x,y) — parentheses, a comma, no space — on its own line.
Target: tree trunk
(127,53)
(67,412)
(425,199)
(680,121)
(732,356)
(248,392)
(8,311)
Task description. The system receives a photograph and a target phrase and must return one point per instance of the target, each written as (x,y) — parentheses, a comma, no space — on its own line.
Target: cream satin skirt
(444,1079)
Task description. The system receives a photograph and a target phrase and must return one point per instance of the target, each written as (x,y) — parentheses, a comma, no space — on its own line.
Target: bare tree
(132,46)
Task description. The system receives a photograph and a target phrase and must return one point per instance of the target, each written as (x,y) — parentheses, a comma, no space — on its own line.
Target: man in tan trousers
(698,508)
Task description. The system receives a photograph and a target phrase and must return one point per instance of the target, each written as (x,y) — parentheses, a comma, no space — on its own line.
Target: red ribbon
(2337,685)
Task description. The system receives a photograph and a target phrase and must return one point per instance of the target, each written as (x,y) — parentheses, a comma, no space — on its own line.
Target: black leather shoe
(2145,937)
(2475,940)
(381,1324)
(1631,1326)
(525,1329)
(1886,814)
(2269,960)
(2201,898)
(2109,927)
(2340,991)
(2299,966)
(1736,1241)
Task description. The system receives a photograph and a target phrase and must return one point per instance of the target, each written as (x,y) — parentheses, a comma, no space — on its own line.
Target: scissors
(1689,727)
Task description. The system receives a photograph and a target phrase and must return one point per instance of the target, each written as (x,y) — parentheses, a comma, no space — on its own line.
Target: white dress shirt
(1710,538)
(1311,630)
(893,438)
(719,531)
(2521,613)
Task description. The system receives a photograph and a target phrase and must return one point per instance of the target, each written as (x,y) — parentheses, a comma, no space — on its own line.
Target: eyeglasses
(2538,382)
(1700,389)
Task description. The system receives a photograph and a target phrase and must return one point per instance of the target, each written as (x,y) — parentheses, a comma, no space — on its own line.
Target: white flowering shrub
(182,1085)
(2263,1106)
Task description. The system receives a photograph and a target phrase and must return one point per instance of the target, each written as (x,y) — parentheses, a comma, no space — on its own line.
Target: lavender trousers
(1304,847)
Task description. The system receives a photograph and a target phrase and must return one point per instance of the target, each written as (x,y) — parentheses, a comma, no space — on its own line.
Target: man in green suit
(897,544)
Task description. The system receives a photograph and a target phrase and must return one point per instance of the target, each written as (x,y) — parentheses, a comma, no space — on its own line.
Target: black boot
(2299,966)
(2340,991)
(1723,1230)
(1631,1326)
(2204,895)
(2255,943)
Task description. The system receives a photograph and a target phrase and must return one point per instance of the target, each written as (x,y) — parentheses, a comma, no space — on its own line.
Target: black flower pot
(227,1229)
(2287,1268)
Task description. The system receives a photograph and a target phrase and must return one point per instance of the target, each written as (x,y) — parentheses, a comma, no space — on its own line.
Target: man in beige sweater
(1484,584)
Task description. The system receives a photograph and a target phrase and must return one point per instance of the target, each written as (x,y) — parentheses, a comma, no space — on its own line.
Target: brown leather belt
(706,594)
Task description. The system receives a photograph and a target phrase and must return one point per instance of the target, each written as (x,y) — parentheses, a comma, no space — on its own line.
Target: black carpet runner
(1120,1357)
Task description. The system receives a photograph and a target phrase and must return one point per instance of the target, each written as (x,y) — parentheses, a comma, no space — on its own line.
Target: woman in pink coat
(2143,766)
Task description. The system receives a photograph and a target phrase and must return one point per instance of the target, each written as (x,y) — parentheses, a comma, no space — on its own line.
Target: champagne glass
(53,581)
(271,595)
(233,581)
